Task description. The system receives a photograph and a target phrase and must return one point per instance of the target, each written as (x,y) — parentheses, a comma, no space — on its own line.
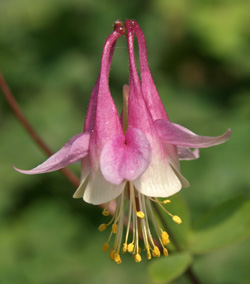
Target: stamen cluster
(139,214)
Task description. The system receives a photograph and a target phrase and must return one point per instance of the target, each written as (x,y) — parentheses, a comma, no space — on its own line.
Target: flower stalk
(32,132)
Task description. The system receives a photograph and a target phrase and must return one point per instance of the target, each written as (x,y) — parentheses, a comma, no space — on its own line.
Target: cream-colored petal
(99,190)
(84,178)
(185,183)
(159,180)
(80,190)
(84,169)
(172,158)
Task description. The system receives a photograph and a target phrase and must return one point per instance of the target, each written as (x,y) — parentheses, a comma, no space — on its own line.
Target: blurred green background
(50,51)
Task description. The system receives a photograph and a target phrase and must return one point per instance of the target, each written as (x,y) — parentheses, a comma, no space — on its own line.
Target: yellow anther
(165,251)
(102,227)
(105,213)
(165,241)
(112,254)
(164,235)
(165,238)
(156,252)
(105,247)
(124,247)
(114,228)
(140,214)
(130,247)
(177,219)
(137,257)
(117,258)
(166,201)
(148,252)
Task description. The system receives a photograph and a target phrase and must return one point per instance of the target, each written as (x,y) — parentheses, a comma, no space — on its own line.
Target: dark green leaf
(226,224)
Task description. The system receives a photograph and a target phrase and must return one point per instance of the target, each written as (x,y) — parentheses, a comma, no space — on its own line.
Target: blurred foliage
(222,226)
(50,54)
(168,268)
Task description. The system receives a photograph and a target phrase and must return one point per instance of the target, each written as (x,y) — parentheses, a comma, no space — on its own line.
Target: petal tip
(176,134)
(27,172)
(76,196)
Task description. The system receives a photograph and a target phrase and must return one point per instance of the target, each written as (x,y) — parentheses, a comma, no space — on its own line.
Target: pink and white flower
(135,157)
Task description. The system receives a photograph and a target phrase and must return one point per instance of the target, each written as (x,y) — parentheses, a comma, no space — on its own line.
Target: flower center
(139,212)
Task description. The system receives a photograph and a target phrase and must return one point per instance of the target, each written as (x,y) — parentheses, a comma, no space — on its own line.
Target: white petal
(84,169)
(185,183)
(159,180)
(172,158)
(99,190)
(84,178)
(80,190)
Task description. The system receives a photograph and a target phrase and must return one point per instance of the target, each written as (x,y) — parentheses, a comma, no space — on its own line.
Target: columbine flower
(135,158)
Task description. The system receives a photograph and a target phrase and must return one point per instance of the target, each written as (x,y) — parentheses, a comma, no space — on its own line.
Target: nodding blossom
(132,159)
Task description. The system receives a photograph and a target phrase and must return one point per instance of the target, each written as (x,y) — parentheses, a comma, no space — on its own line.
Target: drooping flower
(102,125)
(135,158)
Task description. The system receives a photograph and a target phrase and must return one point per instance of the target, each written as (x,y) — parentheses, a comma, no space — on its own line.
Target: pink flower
(102,128)
(135,157)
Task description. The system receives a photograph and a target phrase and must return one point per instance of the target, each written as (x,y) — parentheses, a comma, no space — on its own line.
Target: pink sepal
(74,150)
(176,134)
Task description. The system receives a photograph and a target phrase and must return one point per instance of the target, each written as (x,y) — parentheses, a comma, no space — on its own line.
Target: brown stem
(190,273)
(34,135)
(193,278)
